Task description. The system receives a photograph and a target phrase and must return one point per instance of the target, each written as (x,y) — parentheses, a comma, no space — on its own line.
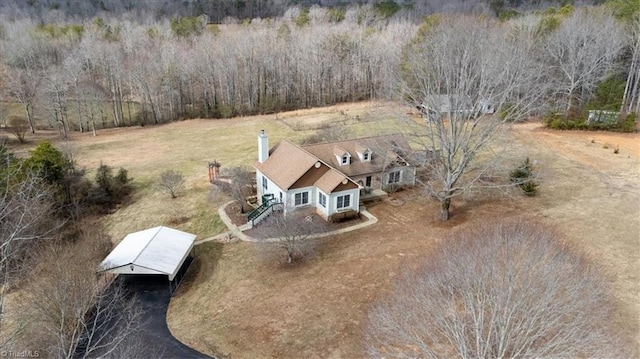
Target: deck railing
(266,208)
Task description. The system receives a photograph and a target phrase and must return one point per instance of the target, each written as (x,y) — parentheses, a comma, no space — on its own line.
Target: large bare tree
(503,289)
(469,77)
(581,53)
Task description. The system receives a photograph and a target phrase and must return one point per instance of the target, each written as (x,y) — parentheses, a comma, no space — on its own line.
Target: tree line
(103,72)
(219,11)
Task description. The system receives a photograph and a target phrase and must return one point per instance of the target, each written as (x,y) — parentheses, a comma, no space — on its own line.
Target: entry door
(367,181)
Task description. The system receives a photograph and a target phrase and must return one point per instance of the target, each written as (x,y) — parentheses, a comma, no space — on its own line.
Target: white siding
(291,196)
(332,201)
(323,210)
(272,188)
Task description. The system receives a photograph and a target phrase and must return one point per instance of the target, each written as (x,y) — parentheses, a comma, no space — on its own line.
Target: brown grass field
(235,304)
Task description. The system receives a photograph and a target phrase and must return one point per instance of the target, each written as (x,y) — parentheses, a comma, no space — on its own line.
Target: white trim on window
(343,202)
(301,198)
(322,199)
(344,160)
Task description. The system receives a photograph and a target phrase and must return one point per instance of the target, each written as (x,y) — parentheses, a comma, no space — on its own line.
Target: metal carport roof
(158,250)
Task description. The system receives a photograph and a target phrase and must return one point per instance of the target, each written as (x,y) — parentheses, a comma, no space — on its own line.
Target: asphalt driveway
(152,291)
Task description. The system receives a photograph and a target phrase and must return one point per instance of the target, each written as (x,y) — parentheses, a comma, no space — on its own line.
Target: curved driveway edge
(153,295)
(235,231)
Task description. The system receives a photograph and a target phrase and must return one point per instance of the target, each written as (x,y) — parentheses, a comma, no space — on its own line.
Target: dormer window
(342,157)
(364,153)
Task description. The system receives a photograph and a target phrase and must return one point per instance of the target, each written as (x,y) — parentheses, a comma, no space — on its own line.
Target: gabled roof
(360,148)
(330,180)
(286,164)
(160,250)
(290,166)
(338,151)
(385,150)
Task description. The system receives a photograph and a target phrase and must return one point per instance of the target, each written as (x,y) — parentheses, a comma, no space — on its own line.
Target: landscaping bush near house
(344,216)
(391,188)
(558,122)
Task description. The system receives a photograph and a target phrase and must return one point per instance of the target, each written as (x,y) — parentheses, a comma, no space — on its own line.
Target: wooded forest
(73,72)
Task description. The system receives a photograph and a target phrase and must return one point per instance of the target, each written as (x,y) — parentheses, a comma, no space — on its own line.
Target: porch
(373,195)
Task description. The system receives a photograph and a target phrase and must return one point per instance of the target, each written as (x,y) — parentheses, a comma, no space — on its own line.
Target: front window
(322,199)
(264,183)
(394,177)
(365,156)
(343,201)
(301,198)
(345,159)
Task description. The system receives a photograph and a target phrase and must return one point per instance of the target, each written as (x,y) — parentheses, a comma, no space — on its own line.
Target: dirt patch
(237,217)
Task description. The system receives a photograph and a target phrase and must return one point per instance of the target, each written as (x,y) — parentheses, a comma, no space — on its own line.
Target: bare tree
(291,233)
(581,52)
(504,289)
(24,85)
(469,77)
(631,98)
(241,185)
(74,314)
(172,181)
(19,127)
(26,211)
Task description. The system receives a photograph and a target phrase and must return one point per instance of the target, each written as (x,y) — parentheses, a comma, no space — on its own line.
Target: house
(446,105)
(329,178)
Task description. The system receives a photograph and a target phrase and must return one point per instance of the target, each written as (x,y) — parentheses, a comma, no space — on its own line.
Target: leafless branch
(502,289)
(291,233)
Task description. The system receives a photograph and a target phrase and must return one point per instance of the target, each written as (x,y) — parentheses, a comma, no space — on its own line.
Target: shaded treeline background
(60,70)
(231,10)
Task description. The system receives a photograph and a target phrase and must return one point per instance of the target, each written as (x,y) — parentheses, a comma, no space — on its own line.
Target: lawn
(233,303)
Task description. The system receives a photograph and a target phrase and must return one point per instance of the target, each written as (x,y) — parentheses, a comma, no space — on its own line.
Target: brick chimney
(263,147)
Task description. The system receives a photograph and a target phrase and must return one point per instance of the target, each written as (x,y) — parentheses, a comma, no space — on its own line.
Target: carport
(154,251)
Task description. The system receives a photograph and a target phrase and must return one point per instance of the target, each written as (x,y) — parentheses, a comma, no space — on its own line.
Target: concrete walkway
(237,232)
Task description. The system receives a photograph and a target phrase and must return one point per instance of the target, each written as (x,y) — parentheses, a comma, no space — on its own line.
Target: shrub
(172,182)
(110,189)
(521,176)
(344,216)
(628,124)
(578,122)
(386,8)
(19,127)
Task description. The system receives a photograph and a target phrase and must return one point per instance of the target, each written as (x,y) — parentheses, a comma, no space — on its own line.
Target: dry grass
(187,146)
(235,304)
(317,310)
